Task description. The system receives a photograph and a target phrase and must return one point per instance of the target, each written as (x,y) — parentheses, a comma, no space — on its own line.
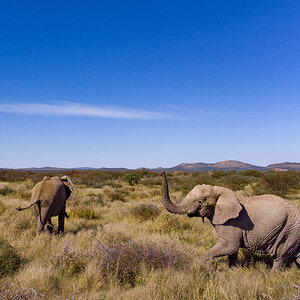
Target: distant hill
(286,166)
(228,165)
(113,169)
(44,169)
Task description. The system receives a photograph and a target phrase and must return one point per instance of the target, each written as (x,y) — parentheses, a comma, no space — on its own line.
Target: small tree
(132,178)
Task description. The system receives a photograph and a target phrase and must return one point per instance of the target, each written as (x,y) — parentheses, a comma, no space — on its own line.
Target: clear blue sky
(148,83)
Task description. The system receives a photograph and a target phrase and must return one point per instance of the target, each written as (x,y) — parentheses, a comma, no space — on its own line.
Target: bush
(217,174)
(132,178)
(236,181)
(117,195)
(10,290)
(123,261)
(151,181)
(280,183)
(69,262)
(144,211)
(187,182)
(252,173)
(25,194)
(9,259)
(6,190)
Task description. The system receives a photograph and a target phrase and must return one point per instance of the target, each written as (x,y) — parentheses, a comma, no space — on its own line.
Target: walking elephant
(49,198)
(265,224)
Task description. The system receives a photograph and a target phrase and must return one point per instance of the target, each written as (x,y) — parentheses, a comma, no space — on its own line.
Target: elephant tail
(20,208)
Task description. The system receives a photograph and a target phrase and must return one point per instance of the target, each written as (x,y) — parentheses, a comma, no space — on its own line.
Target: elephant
(49,198)
(264,224)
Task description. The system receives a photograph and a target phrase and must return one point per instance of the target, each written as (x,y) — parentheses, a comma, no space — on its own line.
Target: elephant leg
(278,263)
(39,226)
(61,219)
(298,261)
(233,259)
(49,226)
(43,219)
(220,249)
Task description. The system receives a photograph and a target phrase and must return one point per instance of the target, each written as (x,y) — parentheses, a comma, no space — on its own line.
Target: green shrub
(132,178)
(151,181)
(144,211)
(217,174)
(236,181)
(25,194)
(113,184)
(117,195)
(280,183)
(185,183)
(6,190)
(252,173)
(9,259)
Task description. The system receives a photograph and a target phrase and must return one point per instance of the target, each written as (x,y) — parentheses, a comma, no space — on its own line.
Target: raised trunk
(169,206)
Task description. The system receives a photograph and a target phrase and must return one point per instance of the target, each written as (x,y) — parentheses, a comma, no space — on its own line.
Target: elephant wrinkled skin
(265,224)
(49,198)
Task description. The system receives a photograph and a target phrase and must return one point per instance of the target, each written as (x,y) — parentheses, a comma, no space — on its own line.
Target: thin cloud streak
(77,109)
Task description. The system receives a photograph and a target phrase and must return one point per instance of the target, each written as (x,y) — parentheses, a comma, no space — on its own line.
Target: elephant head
(218,204)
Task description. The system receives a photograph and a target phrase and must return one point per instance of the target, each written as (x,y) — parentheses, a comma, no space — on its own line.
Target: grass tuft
(167,223)
(144,211)
(82,212)
(9,259)
(69,262)
(6,190)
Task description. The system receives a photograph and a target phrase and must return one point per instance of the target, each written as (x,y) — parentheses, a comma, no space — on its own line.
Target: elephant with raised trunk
(265,224)
(49,198)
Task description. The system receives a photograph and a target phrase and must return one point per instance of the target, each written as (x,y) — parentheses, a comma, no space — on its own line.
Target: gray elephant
(49,197)
(265,224)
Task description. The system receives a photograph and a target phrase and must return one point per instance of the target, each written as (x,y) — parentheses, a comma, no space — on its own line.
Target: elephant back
(48,191)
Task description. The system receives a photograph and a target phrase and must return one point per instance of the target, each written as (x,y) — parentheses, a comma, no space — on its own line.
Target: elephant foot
(278,264)
(49,228)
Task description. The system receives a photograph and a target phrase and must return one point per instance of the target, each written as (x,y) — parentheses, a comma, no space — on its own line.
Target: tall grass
(9,259)
(120,243)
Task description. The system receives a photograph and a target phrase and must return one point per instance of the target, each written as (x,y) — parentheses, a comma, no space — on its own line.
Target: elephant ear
(227,207)
(68,184)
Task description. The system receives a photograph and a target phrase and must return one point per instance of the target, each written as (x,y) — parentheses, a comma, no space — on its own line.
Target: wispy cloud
(77,109)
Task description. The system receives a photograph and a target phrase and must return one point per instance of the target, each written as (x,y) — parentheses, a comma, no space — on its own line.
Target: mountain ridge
(227,165)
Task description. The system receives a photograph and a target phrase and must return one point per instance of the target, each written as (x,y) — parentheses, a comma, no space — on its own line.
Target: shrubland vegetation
(119,242)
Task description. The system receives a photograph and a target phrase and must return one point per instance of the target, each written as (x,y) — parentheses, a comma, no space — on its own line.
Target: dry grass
(120,243)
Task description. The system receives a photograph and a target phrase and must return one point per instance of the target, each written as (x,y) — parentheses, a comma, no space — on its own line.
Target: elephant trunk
(167,203)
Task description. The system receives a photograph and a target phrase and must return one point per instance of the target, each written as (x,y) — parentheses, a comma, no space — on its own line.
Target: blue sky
(148,83)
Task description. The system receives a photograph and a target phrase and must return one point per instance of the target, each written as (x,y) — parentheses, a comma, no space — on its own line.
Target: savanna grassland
(120,243)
